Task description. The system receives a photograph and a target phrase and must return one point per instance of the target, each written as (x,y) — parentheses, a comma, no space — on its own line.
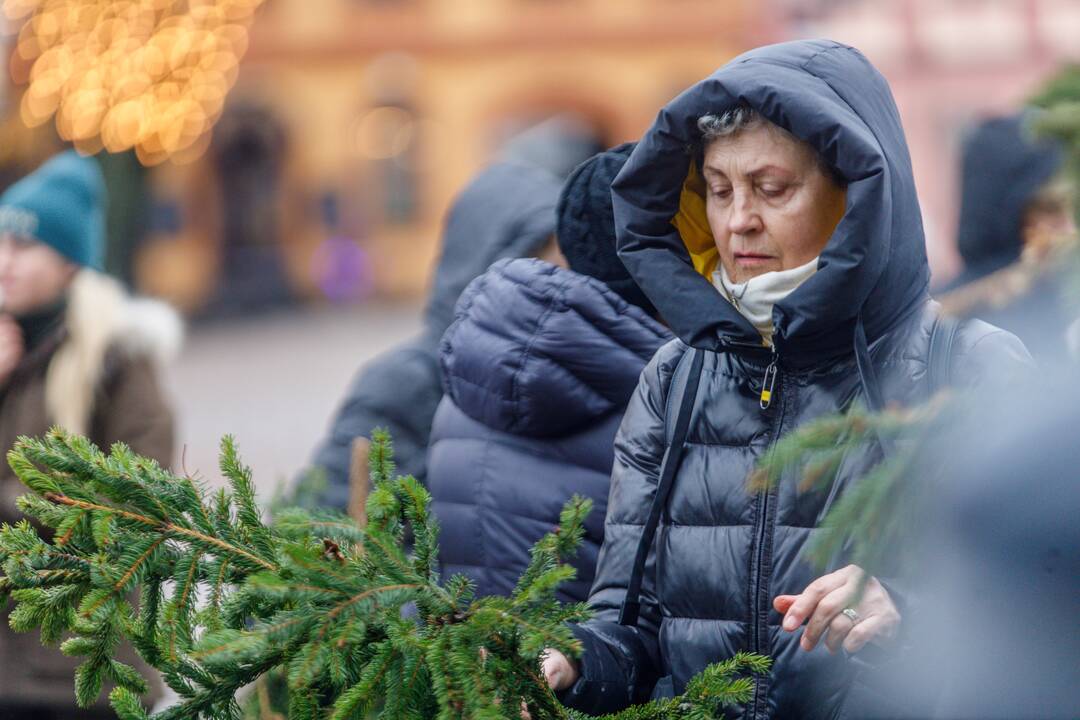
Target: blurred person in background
(998,563)
(770,215)
(1016,209)
(507,211)
(992,552)
(538,367)
(75,351)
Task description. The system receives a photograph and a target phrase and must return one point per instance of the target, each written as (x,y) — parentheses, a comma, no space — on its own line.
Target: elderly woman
(770,215)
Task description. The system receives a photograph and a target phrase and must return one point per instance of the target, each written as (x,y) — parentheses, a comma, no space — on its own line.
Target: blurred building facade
(355,122)
(950,64)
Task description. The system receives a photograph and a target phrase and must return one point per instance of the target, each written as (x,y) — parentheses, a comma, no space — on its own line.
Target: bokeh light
(151,75)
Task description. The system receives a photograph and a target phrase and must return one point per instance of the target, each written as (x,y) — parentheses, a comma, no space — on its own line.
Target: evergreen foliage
(871,523)
(1059,99)
(213,597)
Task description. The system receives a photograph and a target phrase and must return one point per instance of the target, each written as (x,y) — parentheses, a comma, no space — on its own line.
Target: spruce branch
(870,522)
(356,622)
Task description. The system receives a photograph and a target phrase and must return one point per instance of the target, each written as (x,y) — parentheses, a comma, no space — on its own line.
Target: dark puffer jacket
(507,211)
(721,553)
(538,366)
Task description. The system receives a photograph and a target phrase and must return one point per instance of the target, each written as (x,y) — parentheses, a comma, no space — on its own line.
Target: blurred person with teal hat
(76,351)
(62,205)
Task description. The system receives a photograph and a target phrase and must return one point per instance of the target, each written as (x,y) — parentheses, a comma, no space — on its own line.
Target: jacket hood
(874,267)
(541,351)
(1003,167)
(507,211)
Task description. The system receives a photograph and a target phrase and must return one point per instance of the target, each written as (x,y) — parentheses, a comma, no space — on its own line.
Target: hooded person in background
(1016,207)
(770,215)
(507,211)
(538,367)
(75,351)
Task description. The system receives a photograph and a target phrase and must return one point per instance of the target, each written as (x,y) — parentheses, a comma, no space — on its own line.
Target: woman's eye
(719,192)
(773,191)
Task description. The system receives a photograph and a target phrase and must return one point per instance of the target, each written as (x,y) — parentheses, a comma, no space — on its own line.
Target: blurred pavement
(273,383)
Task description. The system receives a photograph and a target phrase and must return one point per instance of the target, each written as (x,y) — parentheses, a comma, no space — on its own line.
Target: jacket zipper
(765,401)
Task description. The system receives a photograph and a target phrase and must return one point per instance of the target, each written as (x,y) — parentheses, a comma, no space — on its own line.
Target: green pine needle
(353,623)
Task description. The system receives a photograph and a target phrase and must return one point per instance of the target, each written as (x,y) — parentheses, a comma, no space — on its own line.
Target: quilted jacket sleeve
(620,663)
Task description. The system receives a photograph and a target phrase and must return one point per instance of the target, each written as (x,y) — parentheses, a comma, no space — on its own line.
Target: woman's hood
(506,211)
(874,265)
(541,351)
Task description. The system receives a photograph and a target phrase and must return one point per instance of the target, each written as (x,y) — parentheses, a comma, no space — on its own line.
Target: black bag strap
(939,360)
(669,466)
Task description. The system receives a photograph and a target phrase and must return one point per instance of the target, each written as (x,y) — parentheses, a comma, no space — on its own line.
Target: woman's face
(32,274)
(769,204)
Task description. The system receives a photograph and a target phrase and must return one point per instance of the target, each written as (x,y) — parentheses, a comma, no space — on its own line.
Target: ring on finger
(852,615)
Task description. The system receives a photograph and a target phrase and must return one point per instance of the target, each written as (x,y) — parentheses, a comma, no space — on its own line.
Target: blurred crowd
(669,308)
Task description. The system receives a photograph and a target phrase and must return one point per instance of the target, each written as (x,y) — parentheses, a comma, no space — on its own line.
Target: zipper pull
(768,384)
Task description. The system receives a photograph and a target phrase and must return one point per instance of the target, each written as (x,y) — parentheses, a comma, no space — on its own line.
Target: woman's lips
(753,259)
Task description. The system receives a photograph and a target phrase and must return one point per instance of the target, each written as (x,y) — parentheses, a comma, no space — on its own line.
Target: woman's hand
(560,671)
(823,603)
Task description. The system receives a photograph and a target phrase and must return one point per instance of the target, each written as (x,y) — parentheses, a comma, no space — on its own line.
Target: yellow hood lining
(692,222)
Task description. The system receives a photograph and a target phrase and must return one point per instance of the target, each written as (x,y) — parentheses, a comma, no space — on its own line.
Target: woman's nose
(744,218)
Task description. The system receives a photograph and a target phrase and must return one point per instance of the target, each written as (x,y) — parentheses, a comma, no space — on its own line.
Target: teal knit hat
(62,204)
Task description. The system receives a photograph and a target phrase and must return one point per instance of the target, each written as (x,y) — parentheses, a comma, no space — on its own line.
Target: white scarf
(754,299)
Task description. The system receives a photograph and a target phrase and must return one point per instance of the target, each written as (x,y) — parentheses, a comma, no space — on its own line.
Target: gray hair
(728,123)
(734,120)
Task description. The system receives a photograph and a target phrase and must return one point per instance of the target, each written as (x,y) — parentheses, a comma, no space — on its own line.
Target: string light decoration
(151,75)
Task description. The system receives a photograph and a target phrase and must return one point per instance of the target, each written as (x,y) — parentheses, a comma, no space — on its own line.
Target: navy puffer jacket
(860,327)
(538,367)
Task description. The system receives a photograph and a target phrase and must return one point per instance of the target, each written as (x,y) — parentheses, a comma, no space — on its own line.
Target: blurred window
(387,137)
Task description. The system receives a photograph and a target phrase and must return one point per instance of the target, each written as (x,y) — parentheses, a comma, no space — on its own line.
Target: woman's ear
(551,253)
